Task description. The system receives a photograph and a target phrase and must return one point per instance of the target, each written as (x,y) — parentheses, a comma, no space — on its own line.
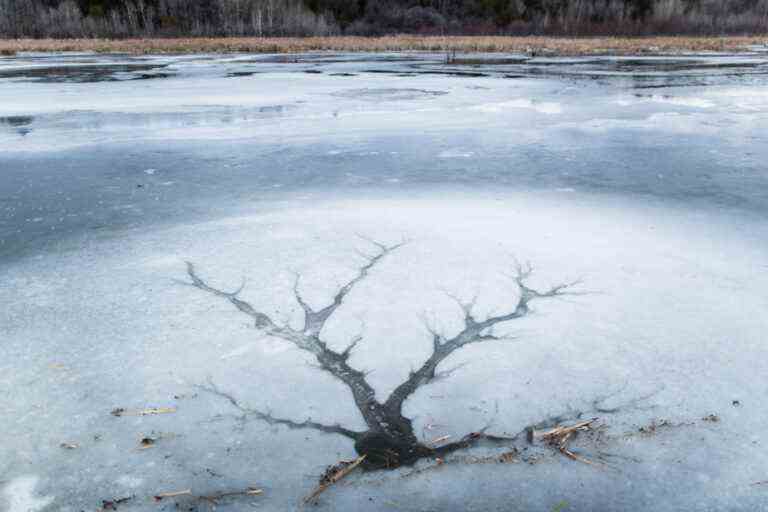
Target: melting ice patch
(388,94)
(745,98)
(671,122)
(543,107)
(684,101)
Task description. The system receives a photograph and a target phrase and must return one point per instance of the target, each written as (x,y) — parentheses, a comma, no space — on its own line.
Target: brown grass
(538,44)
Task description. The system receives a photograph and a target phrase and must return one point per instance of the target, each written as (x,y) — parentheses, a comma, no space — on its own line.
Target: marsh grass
(542,45)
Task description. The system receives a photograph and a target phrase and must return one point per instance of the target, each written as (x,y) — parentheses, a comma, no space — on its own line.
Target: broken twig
(174,494)
(211,498)
(333,475)
(119,411)
(214,498)
(560,436)
(439,440)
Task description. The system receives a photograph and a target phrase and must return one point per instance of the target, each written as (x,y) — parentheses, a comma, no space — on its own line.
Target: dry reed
(565,46)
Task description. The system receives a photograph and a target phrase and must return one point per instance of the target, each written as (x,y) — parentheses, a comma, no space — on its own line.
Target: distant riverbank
(565,46)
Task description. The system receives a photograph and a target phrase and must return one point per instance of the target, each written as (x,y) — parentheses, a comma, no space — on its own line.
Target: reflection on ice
(225,97)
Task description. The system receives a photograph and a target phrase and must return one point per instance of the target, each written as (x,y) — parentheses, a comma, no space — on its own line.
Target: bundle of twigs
(560,437)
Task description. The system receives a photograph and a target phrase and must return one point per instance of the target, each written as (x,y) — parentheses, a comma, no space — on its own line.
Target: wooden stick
(142,412)
(213,498)
(185,492)
(439,440)
(156,410)
(335,478)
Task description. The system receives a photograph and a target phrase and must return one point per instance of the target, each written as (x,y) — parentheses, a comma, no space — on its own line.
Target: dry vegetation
(521,44)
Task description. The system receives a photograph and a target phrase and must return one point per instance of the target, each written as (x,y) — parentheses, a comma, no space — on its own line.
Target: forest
(220,18)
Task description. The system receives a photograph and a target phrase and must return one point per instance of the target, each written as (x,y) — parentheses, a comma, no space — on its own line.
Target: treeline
(169,18)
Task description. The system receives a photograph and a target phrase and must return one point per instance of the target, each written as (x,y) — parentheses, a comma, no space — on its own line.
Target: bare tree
(389,440)
(131,18)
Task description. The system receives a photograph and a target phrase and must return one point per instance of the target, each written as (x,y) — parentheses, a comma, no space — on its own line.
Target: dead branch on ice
(120,411)
(333,474)
(214,498)
(560,437)
(173,494)
(211,498)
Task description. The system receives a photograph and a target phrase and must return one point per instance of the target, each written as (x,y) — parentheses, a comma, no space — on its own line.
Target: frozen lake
(425,186)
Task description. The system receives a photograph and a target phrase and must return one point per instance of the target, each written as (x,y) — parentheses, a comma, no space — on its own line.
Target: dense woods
(124,18)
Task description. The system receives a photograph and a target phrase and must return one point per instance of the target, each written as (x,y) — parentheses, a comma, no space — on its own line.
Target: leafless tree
(389,440)
(131,18)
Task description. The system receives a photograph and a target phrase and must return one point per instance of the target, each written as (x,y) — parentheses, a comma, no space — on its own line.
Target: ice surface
(214,97)
(676,309)
(655,201)
(19,495)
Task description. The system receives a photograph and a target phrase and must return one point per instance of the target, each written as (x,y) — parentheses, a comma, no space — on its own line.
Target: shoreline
(539,45)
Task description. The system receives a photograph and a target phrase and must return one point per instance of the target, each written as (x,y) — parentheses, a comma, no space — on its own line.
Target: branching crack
(389,440)
(268,418)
